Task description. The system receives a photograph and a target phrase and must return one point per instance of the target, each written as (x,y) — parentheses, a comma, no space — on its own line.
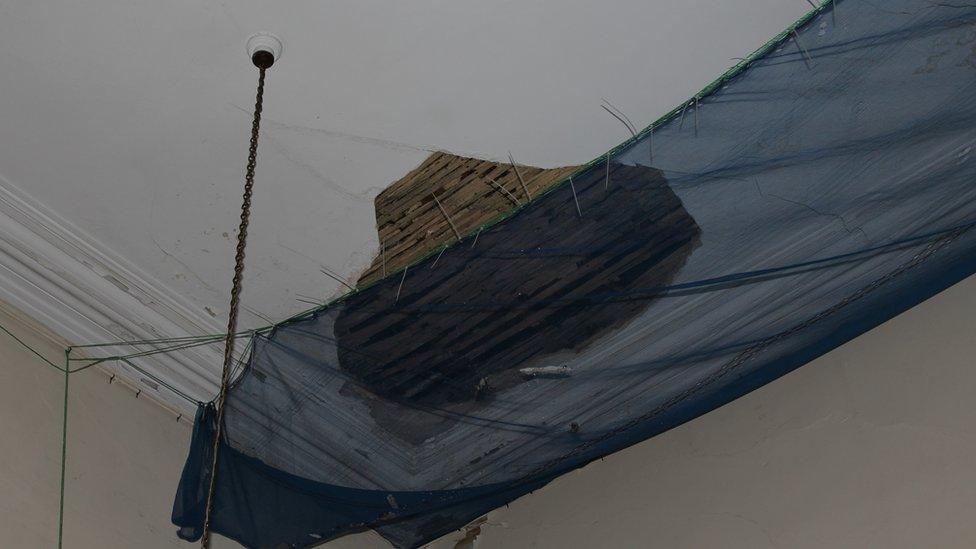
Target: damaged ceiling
(445,197)
(126,126)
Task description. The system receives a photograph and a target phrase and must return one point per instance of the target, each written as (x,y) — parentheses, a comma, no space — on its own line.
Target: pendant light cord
(235,297)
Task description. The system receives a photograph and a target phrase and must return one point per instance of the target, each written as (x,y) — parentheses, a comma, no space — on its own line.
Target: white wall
(124,455)
(121,451)
(869,446)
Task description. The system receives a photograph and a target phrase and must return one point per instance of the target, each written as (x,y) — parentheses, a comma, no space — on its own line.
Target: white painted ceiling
(130,119)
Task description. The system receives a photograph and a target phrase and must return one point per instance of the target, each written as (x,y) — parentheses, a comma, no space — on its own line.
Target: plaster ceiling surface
(130,119)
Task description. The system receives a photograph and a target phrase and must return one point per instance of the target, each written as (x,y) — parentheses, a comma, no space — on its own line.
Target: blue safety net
(825,185)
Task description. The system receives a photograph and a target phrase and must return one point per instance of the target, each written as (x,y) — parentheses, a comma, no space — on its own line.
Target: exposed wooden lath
(544,284)
(410,224)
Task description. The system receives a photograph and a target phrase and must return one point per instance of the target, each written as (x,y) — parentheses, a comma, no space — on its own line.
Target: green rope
(31,349)
(170,349)
(87,366)
(64,447)
(178,347)
(129,343)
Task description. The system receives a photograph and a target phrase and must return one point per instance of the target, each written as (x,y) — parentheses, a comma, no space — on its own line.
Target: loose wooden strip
(519,175)
(447,217)
(510,196)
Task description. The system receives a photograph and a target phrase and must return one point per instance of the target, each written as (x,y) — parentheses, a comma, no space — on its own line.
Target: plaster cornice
(84,292)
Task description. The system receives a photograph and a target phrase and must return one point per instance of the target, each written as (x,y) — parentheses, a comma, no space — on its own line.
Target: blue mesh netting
(793,205)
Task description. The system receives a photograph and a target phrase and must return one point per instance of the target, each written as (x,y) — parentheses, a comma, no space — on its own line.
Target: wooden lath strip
(410,222)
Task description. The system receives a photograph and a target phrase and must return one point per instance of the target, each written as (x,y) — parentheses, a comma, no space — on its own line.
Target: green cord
(31,349)
(125,343)
(64,446)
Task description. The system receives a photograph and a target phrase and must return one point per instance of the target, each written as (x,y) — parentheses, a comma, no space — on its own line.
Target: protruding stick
(447,217)
(621,117)
(504,191)
(336,278)
(475,241)
(575,199)
(257,313)
(518,174)
(650,146)
(438,258)
(308,299)
(803,51)
(400,287)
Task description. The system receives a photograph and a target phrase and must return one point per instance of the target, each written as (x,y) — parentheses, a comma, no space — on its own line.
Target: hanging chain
(235,297)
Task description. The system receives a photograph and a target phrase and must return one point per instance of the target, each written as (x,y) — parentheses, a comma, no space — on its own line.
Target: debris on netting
(546,371)
(812,205)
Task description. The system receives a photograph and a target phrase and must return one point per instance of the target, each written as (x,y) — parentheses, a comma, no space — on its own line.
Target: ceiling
(127,122)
